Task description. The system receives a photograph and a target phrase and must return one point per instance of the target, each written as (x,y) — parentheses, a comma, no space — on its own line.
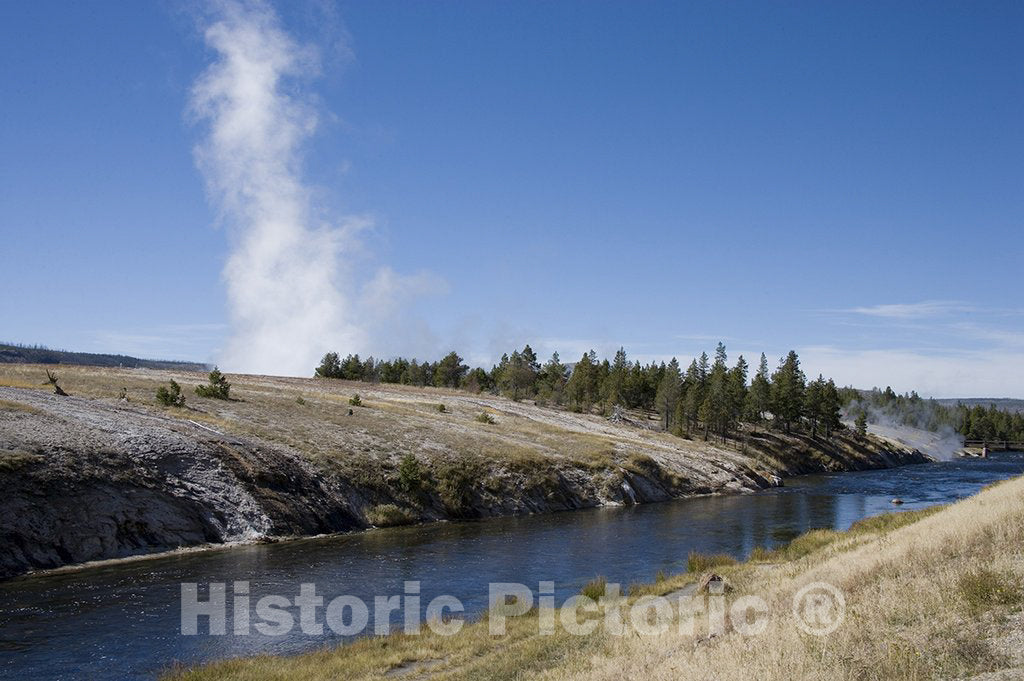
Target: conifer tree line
(709,397)
(978,422)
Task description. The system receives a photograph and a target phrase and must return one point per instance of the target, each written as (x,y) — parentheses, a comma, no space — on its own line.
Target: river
(122,620)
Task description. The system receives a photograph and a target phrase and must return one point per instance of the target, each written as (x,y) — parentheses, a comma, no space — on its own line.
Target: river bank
(292,457)
(71,623)
(935,593)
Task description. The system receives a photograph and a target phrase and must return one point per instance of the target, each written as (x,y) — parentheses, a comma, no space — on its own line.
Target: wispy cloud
(922,310)
(999,337)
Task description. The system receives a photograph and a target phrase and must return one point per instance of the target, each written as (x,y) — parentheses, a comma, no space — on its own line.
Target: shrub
(441,408)
(218,387)
(594,589)
(453,486)
(355,401)
(701,562)
(484,417)
(170,396)
(642,464)
(985,588)
(299,400)
(389,515)
(409,473)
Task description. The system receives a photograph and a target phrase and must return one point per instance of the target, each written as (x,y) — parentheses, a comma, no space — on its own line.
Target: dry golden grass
(8,405)
(393,420)
(928,595)
(906,613)
(471,655)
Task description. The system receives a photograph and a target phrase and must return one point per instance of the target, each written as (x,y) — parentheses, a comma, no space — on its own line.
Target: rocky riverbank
(90,477)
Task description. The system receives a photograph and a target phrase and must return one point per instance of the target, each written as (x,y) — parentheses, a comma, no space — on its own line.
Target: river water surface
(122,620)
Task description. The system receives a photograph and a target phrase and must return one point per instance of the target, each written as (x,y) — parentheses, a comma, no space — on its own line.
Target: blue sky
(840,178)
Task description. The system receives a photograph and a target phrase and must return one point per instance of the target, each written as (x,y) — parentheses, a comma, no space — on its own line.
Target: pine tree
(449,371)
(737,393)
(693,398)
(369,370)
(330,366)
(477,380)
(715,408)
(614,389)
(668,393)
(635,386)
(787,391)
(518,375)
(862,423)
(813,403)
(578,386)
(760,394)
(830,409)
(652,379)
(593,383)
(218,387)
(551,381)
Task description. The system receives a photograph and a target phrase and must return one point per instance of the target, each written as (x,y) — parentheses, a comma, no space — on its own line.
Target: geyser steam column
(282,275)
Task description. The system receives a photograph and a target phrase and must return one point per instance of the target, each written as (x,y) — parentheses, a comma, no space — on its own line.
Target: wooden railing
(995,445)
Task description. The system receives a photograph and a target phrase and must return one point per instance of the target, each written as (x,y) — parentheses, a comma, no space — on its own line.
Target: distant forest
(709,396)
(11,353)
(998,420)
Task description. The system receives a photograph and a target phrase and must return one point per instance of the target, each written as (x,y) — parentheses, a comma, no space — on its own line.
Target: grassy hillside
(311,417)
(928,595)
(289,456)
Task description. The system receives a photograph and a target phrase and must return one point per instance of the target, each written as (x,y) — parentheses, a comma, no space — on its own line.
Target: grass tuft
(887,522)
(389,515)
(11,462)
(594,589)
(701,562)
(10,405)
(983,589)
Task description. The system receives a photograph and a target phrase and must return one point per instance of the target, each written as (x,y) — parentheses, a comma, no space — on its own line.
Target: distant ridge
(1002,403)
(11,353)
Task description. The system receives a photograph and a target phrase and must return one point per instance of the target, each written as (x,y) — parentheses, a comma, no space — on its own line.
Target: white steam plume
(283,277)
